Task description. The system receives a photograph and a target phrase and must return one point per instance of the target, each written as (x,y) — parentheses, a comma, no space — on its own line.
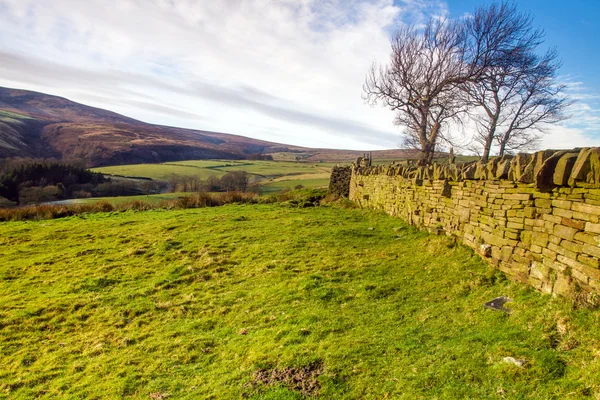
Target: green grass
(280,185)
(150,198)
(267,173)
(192,303)
(9,116)
(158,171)
(209,163)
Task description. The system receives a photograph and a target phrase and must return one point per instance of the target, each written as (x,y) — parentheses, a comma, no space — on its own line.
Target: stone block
(588,271)
(559,212)
(539,239)
(562,251)
(505,253)
(544,177)
(529,212)
(512,235)
(549,254)
(576,265)
(581,168)
(515,225)
(543,203)
(587,260)
(564,204)
(562,285)
(579,225)
(586,208)
(586,217)
(565,232)
(572,246)
(535,249)
(587,238)
(494,240)
(591,250)
(563,168)
(539,271)
(516,196)
(580,276)
(552,218)
(592,228)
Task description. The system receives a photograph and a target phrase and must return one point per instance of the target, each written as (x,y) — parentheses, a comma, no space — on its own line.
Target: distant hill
(39,125)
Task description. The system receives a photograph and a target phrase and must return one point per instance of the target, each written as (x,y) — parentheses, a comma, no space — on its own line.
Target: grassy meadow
(270,176)
(273,302)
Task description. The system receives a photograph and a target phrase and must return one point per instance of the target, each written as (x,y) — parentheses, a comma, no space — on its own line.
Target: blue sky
(572,26)
(288,71)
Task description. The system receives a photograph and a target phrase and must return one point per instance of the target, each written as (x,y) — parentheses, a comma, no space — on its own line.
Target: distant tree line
(33,181)
(259,157)
(236,181)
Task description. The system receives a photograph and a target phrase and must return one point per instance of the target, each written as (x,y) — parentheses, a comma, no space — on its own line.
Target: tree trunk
(487,147)
(503,143)
(502,149)
(491,133)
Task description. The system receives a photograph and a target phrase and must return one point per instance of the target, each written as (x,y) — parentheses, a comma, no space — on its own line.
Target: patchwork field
(270,175)
(270,302)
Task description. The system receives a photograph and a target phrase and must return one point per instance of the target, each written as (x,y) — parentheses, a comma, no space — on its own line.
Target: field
(270,175)
(272,302)
(149,198)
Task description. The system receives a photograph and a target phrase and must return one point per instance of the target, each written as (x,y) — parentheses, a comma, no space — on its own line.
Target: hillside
(39,125)
(268,302)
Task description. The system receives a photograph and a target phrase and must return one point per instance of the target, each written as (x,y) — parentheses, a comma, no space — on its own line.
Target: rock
(533,168)
(503,167)
(519,362)
(517,166)
(581,168)
(498,304)
(485,250)
(544,178)
(564,166)
(469,170)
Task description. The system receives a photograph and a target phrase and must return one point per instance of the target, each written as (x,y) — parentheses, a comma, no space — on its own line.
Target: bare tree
(516,95)
(420,82)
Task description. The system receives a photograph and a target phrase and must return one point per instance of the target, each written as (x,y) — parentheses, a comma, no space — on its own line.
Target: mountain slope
(39,125)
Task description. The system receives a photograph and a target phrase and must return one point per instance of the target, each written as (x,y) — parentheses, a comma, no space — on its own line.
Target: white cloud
(289,71)
(291,68)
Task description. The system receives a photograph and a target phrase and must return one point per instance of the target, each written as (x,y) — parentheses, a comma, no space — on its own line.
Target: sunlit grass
(191,303)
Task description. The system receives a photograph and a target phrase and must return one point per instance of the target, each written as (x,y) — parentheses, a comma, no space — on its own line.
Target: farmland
(268,175)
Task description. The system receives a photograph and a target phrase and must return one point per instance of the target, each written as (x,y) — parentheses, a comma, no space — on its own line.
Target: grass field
(158,171)
(269,302)
(278,185)
(270,175)
(12,117)
(149,198)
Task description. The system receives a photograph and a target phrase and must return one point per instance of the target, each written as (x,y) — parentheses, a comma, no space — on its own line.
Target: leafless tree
(420,82)
(516,95)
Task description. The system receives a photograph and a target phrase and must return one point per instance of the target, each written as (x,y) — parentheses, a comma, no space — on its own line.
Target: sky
(287,71)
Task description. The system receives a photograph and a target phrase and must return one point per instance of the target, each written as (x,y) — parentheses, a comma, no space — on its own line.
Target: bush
(50,211)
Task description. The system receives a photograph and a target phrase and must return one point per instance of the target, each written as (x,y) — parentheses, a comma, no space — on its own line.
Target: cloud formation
(289,71)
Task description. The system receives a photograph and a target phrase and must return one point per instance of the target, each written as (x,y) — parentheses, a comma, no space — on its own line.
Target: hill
(269,302)
(39,125)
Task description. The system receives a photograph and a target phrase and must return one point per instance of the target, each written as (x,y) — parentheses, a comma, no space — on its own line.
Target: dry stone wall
(339,184)
(536,217)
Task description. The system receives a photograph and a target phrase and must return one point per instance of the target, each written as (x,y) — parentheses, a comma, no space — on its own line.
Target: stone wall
(536,217)
(339,184)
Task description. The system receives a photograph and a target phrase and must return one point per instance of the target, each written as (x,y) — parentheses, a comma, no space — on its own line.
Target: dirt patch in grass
(303,379)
